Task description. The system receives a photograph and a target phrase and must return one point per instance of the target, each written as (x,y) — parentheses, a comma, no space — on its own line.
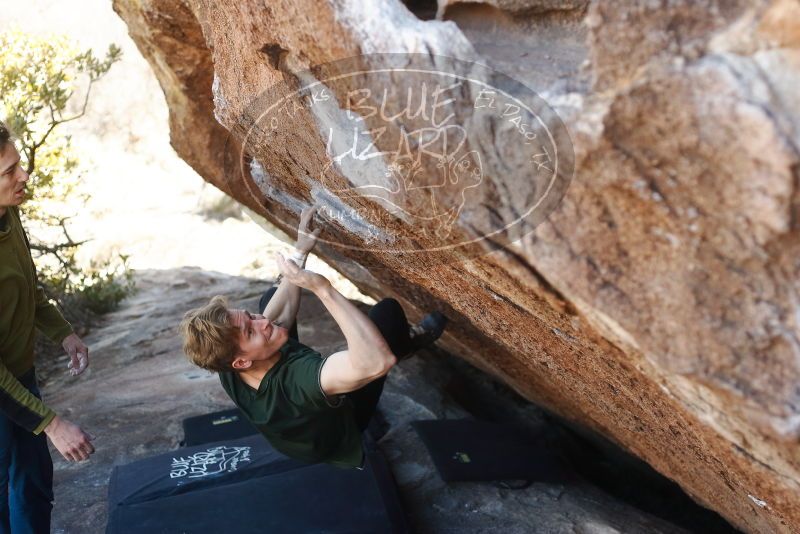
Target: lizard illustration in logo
(427,185)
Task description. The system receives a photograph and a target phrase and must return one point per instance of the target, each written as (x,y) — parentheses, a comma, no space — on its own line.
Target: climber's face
(259,338)
(12,179)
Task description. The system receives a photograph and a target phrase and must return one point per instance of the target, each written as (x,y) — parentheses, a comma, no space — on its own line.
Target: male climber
(308,407)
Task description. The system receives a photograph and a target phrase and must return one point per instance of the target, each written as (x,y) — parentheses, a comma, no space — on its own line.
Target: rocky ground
(140,387)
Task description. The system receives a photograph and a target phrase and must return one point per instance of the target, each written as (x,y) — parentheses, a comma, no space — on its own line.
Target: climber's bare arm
(282,307)
(367,356)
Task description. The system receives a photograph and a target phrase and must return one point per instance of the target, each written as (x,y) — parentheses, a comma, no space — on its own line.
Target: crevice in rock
(275,53)
(423,9)
(557,299)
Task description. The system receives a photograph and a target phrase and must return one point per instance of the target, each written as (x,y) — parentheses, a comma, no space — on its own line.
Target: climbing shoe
(428,330)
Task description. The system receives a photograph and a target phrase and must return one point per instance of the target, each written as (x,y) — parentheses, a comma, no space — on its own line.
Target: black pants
(391,321)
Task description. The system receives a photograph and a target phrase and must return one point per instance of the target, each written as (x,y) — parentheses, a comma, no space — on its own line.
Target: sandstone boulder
(653,295)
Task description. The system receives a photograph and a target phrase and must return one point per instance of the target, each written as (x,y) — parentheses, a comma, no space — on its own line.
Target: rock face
(658,303)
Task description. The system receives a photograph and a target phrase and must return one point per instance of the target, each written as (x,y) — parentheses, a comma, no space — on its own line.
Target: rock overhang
(658,304)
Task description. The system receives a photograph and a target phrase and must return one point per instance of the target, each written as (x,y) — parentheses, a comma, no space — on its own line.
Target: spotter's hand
(78,354)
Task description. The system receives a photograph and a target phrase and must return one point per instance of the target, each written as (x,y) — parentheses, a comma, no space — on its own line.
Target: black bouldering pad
(469,449)
(245,486)
(217,426)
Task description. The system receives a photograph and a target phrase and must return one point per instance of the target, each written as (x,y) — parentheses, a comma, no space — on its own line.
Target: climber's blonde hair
(210,340)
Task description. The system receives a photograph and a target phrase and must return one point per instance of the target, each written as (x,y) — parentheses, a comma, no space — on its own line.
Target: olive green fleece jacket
(23,307)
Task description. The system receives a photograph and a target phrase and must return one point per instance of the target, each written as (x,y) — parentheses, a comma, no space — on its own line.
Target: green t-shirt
(293,413)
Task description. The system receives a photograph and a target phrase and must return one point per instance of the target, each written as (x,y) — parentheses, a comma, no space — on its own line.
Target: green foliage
(44,83)
(104,285)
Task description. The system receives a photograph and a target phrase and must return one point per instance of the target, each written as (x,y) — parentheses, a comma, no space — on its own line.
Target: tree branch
(55,122)
(55,249)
